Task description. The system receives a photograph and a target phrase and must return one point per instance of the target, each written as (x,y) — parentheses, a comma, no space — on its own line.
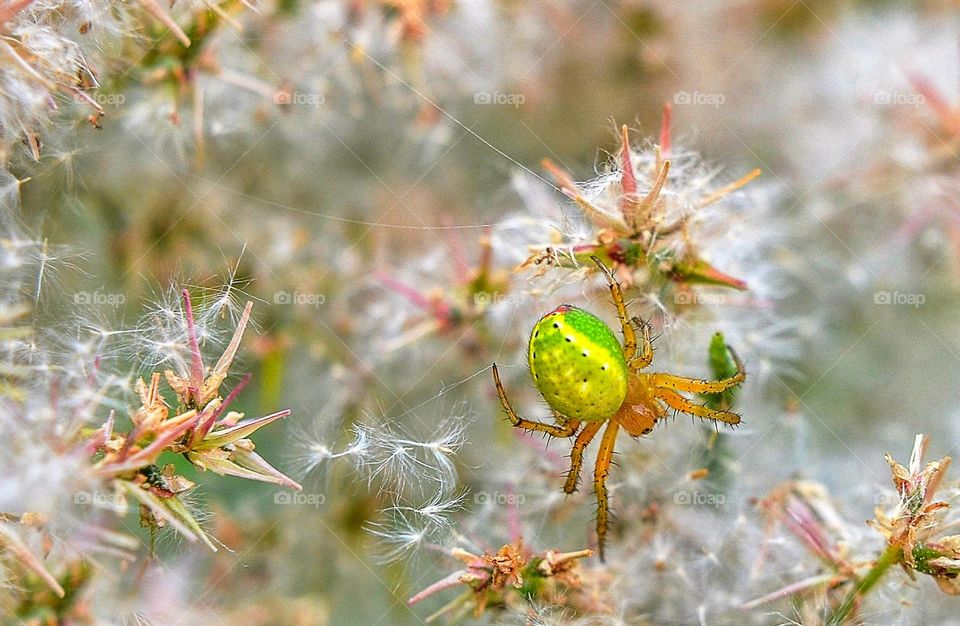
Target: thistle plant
(643,219)
(452,309)
(374,167)
(187,50)
(913,532)
(687,247)
(406,20)
(510,577)
(49,411)
(202,429)
(62,52)
(48,49)
(914,529)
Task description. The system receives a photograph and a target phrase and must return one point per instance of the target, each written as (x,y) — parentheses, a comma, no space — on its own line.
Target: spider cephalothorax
(589,379)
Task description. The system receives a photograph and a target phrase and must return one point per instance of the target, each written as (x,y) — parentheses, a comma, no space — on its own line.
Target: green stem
(890,556)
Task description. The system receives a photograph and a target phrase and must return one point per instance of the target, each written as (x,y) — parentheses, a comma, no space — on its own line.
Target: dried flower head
(913,531)
(511,577)
(201,429)
(643,216)
(916,524)
(454,308)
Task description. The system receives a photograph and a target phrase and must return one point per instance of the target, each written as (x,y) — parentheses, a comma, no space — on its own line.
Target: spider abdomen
(578,364)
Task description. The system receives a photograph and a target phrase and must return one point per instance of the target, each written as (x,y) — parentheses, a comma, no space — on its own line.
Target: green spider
(589,379)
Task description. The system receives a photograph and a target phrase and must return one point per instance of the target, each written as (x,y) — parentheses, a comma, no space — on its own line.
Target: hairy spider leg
(684,405)
(600,473)
(566,429)
(629,337)
(576,454)
(698,385)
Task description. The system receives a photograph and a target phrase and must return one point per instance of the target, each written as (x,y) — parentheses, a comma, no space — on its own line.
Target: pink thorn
(204,428)
(149,453)
(456,247)
(929,92)
(11,11)
(403,289)
(665,129)
(486,250)
(916,222)
(233,394)
(932,97)
(583,248)
(94,368)
(451,580)
(799,519)
(440,310)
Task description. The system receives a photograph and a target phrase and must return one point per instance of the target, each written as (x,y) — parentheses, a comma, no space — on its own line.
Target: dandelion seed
(404,528)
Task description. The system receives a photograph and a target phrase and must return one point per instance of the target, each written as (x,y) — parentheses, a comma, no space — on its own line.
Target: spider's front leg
(626,324)
(675,401)
(576,454)
(695,385)
(565,429)
(600,473)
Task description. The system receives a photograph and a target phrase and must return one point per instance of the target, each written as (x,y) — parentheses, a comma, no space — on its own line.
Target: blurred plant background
(402,188)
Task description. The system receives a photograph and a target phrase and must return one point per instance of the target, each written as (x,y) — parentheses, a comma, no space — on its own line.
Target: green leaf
(723,366)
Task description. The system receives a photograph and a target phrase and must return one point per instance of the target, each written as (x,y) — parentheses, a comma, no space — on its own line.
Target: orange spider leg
(565,429)
(676,401)
(629,337)
(576,454)
(695,385)
(600,473)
